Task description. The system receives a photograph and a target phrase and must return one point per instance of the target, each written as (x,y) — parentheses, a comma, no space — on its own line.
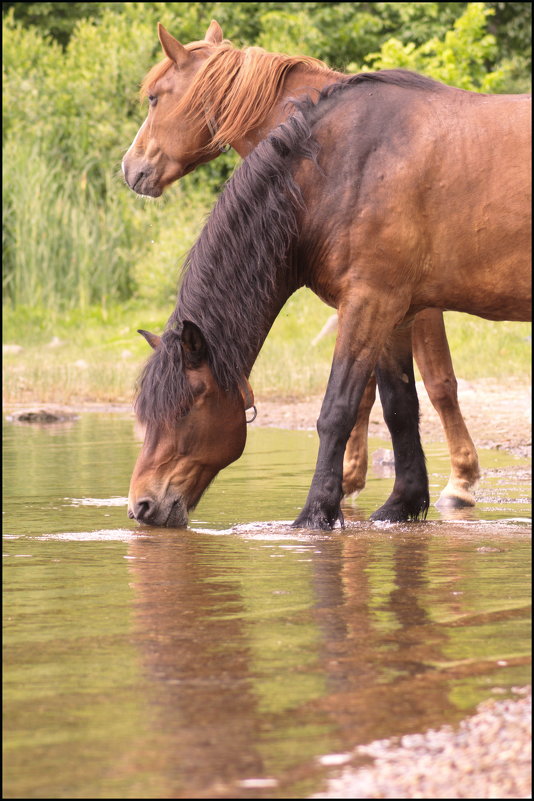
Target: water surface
(227,659)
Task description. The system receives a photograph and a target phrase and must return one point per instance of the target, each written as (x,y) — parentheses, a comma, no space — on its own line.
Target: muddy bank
(488,755)
(498,415)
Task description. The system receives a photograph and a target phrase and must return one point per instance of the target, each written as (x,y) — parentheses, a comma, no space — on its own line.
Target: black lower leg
(322,508)
(409,499)
(337,417)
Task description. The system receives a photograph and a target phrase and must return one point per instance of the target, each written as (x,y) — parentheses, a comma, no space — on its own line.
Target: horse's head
(180,458)
(168,146)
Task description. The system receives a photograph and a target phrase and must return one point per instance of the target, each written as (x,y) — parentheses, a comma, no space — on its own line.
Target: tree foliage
(459,58)
(342,32)
(73,233)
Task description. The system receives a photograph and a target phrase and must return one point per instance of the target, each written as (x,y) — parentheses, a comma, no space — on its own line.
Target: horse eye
(197,388)
(152,99)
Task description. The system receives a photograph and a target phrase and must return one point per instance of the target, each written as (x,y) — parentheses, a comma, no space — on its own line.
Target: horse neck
(299,81)
(244,333)
(263,326)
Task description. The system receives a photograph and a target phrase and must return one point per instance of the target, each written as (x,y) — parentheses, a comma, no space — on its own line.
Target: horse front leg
(346,386)
(356,451)
(363,328)
(409,499)
(433,357)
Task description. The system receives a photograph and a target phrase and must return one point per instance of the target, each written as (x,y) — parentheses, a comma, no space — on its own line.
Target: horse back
(429,189)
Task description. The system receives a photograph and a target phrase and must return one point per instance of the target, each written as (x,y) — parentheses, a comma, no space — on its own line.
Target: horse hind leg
(409,499)
(432,354)
(356,450)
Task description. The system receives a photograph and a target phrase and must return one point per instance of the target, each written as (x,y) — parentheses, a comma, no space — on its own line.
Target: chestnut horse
(392,194)
(209,93)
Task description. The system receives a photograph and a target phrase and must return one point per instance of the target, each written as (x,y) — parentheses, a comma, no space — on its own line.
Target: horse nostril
(138,179)
(142,509)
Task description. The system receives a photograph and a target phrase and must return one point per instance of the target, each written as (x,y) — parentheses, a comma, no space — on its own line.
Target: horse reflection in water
(254,673)
(196,660)
(404,210)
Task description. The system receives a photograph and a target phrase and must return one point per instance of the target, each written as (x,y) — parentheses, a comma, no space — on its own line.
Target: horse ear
(194,345)
(171,46)
(214,34)
(152,339)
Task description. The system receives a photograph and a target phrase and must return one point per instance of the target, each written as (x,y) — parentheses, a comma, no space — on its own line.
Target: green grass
(99,353)
(486,349)
(62,244)
(75,357)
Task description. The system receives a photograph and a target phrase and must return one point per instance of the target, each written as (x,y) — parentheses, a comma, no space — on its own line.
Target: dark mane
(403,78)
(237,271)
(314,107)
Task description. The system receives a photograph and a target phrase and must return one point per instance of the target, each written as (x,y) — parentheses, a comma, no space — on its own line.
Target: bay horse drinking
(392,194)
(208,95)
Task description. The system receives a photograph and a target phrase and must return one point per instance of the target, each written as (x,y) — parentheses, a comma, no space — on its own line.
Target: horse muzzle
(141,178)
(169,513)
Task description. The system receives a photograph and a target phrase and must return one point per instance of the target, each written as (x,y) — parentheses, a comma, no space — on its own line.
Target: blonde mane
(234,89)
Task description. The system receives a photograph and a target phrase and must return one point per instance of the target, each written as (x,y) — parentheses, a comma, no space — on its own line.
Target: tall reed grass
(64,244)
(67,244)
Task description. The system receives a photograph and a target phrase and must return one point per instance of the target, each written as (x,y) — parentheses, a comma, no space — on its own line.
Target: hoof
(400,512)
(388,515)
(351,494)
(352,487)
(460,501)
(319,520)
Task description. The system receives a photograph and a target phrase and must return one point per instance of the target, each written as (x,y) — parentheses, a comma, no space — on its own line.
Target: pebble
(40,416)
(487,756)
(55,342)
(383,461)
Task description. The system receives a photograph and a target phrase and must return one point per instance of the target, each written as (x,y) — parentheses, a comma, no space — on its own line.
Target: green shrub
(459,58)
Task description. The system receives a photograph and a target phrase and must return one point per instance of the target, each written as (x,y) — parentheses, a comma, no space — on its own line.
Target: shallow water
(229,659)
